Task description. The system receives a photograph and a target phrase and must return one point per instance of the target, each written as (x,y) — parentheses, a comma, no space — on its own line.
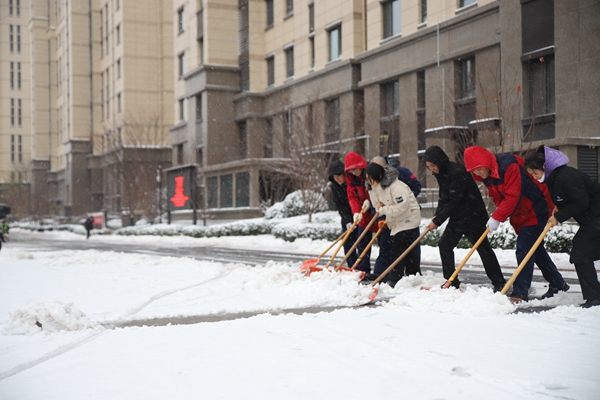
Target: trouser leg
(413,259)
(384,259)
(365,264)
(525,239)
(588,279)
(548,268)
(416,253)
(446,246)
(401,242)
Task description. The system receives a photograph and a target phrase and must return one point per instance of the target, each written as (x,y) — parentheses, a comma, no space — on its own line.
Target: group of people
(531,192)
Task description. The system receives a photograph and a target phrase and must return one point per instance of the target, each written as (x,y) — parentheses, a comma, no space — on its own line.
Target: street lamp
(158,179)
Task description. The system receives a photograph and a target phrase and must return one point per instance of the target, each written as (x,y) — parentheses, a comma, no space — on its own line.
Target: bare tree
(134,153)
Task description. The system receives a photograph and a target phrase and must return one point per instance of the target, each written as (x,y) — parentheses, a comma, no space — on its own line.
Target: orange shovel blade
(375,292)
(313,269)
(362,273)
(308,264)
(425,287)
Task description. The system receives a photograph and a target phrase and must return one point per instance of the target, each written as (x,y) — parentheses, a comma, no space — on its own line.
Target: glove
(381,224)
(358,217)
(348,225)
(493,224)
(366,204)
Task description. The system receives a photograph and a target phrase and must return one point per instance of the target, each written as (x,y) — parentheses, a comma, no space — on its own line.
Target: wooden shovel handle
(346,236)
(464,261)
(527,257)
(333,244)
(337,268)
(359,259)
(400,258)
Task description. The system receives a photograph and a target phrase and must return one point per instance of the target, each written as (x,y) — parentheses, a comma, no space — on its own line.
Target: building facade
(379,77)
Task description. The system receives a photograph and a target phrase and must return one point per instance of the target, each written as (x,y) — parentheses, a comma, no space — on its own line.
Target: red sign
(179,198)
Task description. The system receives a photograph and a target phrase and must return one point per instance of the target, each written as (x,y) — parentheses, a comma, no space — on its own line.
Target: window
(289,62)
(118,34)
(332,120)
(11,38)
(270,70)
(119,105)
(537,25)
(19,75)
(465,3)
(12,148)
(289,7)
(18,38)
(182,110)
(18,3)
(587,161)
(180,20)
(199,107)
(117,4)
(423,16)
(20,154)
(268,146)
(179,153)
(392,18)
(10,7)
(335,43)
(311,41)
(212,189)
(421,89)
(12,112)
(466,77)
(119,68)
(19,112)
(242,189)
(389,123)
(288,129)
(12,75)
(242,140)
(540,86)
(181,68)
(199,157)
(311,17)
(101,35)
(226,191)
(243,45)
(270,14)
(421,110)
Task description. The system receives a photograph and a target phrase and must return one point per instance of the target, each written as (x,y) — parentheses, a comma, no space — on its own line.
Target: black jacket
(575,194)
(339,195)
(460,198)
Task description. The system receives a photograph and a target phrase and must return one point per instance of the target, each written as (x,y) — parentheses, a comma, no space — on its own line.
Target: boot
(552,291)
(591,303)
(498,287)
(517,297)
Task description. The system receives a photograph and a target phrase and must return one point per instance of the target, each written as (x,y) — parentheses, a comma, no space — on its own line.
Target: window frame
(289,61)
(180,21)
(391,29)
(338,29)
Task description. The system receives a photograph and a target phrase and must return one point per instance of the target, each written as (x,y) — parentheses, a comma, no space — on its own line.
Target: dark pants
(525,240)
(409,265)
(450,238)
(348,245)
(586,249)
(88,233)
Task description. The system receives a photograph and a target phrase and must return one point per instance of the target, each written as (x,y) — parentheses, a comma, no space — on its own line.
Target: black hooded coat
(339,194)
(460,197)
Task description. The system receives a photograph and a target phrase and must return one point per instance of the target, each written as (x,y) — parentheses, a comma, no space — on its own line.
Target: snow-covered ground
(438,344)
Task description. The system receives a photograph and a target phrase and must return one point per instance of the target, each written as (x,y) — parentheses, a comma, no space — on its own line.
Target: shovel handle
(464,261)
(337,268)
(400,258)
(359,259)
(346,236)
(332,244)
(526,259)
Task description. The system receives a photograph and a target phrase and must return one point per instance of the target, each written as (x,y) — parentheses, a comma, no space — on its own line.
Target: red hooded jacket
(356,189)
(516,194)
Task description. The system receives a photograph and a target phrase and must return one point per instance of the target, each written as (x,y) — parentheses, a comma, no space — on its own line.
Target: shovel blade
(308,264)
(374,294)
(425,287)
(362,273)
(311,270)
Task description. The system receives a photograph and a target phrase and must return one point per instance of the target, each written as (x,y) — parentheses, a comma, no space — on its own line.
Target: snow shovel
(462,263)
(384,226)
(393,265)
(527,257)
(340,267)
(314,268)
(307,264)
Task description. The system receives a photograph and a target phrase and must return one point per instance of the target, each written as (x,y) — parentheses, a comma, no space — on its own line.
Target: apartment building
(15,98)
(381,78)
(86,87)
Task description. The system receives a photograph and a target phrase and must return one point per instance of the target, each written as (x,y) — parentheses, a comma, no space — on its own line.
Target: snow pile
(53,316)
(293,205)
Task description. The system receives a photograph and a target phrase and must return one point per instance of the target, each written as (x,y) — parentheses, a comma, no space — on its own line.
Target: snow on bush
(293,205)
(53,316)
